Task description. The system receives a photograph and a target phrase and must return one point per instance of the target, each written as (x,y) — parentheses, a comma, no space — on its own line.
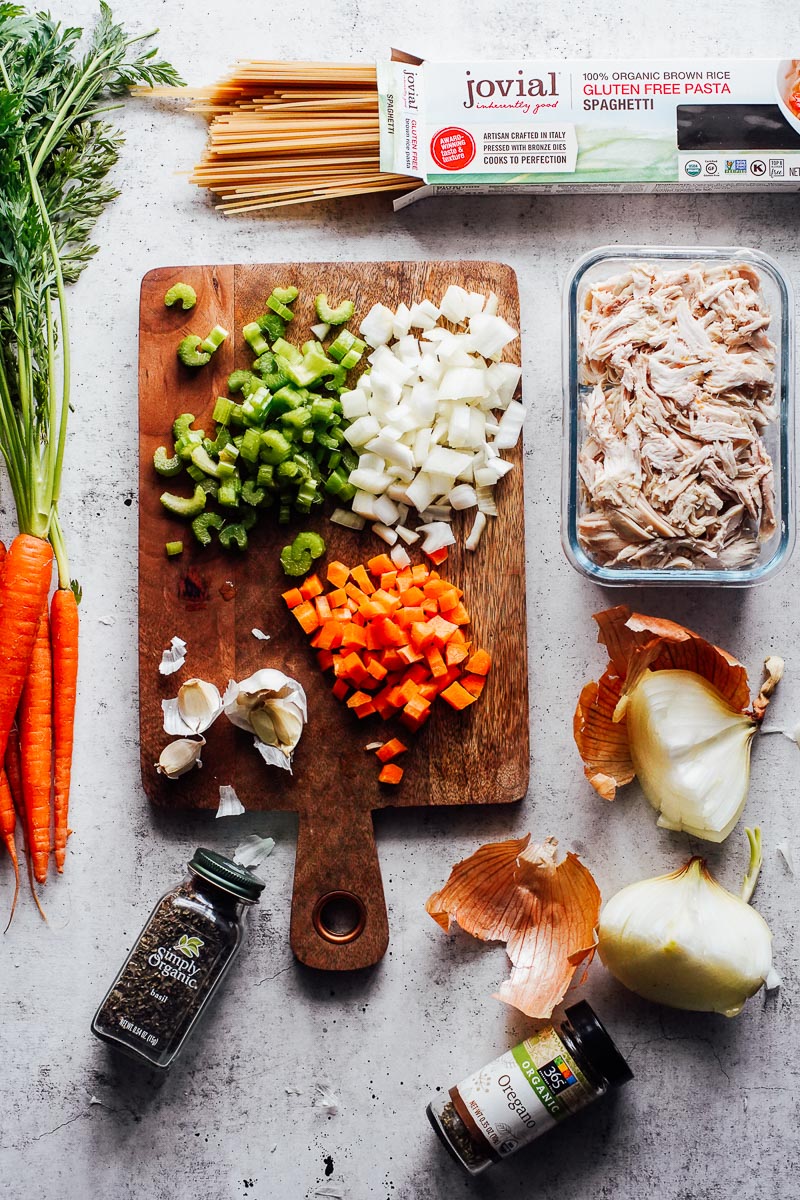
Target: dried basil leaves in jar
(178,960)
(528,1090)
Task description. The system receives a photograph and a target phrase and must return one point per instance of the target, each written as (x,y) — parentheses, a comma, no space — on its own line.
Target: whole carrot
(24,585)
(64,646)
(13,769)
(36,743)
(7,825)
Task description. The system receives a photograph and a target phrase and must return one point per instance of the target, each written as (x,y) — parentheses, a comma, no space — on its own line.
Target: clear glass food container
(778,436)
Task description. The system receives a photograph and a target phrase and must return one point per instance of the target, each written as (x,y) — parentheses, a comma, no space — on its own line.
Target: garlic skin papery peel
(685,941)
(272,706)
(673,710)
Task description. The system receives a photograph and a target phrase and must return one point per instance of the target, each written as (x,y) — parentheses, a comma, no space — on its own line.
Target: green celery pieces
(189,352)
(183,292)
(331,315)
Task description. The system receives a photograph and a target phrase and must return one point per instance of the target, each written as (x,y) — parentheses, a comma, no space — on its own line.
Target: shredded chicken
(680,378)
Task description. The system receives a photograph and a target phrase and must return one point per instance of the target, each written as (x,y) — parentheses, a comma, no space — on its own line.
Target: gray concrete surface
(713,1113)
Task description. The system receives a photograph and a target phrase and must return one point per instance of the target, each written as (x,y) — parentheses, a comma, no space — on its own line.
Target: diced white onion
(354,404)
(462,496)
(377,326)
(510,426)
(490,334)
(385,533)
(362,429)
(476,532)
(408,535)
(320,331)
(399,556)
(437,536)
(454,304)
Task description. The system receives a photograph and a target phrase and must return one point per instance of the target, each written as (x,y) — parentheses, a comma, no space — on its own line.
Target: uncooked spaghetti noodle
(285,133)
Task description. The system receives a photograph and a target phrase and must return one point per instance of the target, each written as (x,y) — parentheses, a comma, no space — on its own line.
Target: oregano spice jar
(528,1090)
(179,960)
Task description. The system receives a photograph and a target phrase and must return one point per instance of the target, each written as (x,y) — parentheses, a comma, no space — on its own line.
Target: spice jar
(178,960)
(528,1090)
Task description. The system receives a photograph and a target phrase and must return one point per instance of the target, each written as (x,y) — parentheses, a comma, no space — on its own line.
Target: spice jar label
(164,981)
(522,1094)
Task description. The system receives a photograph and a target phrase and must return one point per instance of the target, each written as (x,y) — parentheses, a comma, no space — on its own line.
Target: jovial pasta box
(598,126)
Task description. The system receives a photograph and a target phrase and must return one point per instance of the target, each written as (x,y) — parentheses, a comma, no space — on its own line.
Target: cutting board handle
(339,920)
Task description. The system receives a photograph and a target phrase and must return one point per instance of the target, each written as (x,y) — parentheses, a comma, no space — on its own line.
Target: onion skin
(683,940)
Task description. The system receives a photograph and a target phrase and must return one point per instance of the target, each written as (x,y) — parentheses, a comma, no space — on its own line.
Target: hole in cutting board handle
(339,917)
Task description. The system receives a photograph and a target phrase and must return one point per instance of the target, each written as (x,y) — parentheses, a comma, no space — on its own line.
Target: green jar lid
(226,874)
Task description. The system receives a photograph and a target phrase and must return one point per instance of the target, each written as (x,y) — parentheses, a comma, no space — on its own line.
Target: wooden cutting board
(213,599)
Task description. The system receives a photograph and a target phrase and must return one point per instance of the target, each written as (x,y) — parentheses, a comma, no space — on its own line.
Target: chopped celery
(297,558)
(288,469)
(173,549)
(333,316)
(214,340)
(272,325)
(237,380)
(286,295)
(287,351)
(181,425)
(183,292)
(266,476)
(255,496)
(228,494)
(166,466)
(229,453)
(345,340)
(321,408)
(189,352)
(233,535)
(194,473)
(186,444)
(251,445)
(185,506)
(279,307)
(296,418)
(274,447)
(202,459)
(255,338)
(202,526)
(264,362)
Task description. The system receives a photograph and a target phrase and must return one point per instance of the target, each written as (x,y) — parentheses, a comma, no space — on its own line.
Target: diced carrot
(390,634)
(404,580)
(392,660)
(459,637)
(293,597)
(436,587)
(355,593)
(391,773)
(420,573)
(457,696)
(311,588)
(449,600)
(383,703)
(458,615)
(407,691)
(435,662)
(390,603)
(473,683)
(337,573)
(438,556)
(418,672)
(430,607)
(429,691)
(388,579)
(340,689)
(358,699)
(413,596)
(351,605)
(422,634)
(360,576)
(409,655)
(342,614)
(354,669)
(330,636)
(443,630)
(323,608)
(325,660)
(454,654)
(307,616)
(337,598)
(480,663)
(390,750)
(353,635)
(376,669)
(365,710)
(378,565)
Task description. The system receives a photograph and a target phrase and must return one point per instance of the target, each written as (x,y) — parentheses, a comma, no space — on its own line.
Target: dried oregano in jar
(528,1090)
(178,960)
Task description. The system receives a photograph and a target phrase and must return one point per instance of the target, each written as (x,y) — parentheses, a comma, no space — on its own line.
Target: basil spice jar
(528,1090)
(178,960)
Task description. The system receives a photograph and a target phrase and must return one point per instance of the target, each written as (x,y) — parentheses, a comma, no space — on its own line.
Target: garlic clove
(273,707)
(179,757)
(193,710)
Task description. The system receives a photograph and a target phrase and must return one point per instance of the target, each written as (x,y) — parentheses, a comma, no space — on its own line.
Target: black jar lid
(226,874)
(597,1045)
